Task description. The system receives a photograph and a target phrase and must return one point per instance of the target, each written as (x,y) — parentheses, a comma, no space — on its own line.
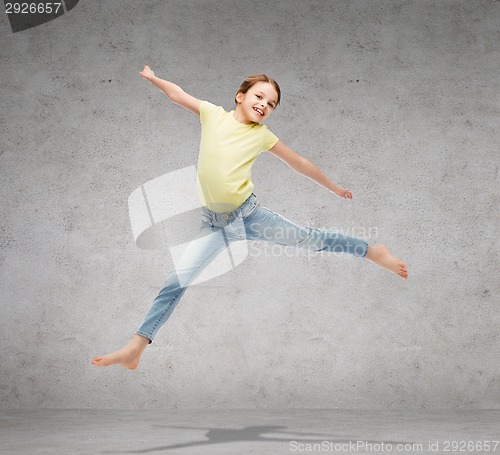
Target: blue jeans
(250,221)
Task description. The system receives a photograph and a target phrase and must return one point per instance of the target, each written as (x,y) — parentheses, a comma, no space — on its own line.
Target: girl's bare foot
(127,357)
(379,254)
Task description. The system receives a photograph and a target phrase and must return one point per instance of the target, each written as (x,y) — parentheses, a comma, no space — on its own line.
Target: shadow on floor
(250,434)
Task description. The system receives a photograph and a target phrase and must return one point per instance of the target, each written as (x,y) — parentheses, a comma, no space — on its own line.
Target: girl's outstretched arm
(306,168)
(174,92)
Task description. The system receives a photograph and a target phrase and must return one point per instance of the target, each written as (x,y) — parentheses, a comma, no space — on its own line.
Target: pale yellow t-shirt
(228,150)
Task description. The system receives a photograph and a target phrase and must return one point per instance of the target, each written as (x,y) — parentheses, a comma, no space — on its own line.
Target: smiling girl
(230,144)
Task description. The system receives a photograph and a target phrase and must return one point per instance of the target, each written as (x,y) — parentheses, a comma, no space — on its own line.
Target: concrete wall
(395,100)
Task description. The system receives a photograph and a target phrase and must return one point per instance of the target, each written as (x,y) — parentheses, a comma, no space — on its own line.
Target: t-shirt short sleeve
(207,109)
(270,139)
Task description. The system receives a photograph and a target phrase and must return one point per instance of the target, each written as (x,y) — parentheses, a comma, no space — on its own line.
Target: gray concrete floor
(249,431)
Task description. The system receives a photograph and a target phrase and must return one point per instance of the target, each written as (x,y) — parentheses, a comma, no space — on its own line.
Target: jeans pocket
(251,210)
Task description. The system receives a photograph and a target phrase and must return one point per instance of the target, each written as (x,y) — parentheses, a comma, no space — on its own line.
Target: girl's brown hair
(252,80)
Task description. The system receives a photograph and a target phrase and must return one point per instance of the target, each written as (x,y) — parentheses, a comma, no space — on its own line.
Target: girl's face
(257,104)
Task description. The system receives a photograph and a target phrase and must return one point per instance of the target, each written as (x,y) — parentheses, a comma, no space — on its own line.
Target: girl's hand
(147,73)
(343,193)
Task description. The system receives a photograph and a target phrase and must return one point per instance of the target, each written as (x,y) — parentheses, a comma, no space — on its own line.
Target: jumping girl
(230,143)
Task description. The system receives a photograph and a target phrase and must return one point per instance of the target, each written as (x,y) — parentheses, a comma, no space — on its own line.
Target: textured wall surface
(398,101)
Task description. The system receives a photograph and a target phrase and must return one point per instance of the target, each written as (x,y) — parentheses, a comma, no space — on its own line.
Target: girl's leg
(268,226)
(197,256)
(199,253)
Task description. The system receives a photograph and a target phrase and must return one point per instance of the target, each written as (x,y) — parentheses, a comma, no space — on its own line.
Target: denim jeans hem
(366,251)
(145,335)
